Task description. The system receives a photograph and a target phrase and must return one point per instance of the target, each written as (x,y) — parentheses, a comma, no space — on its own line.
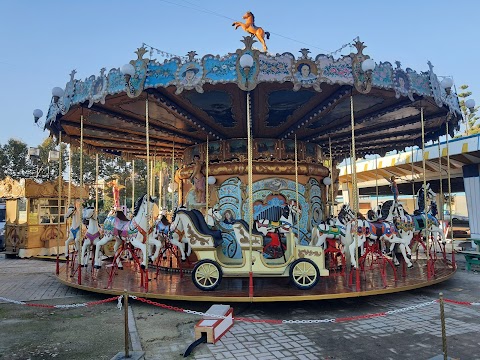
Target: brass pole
(427,240)
(376,178)
(450,193)
(331,176)
(160,192)
(413,183)
(147,138)
(173,177)
(354,190)
(296,186)
(80,261)
(69,199)
(440,205)
(59,201)
(133,186)
(96,183)
(206,179)
(250,193)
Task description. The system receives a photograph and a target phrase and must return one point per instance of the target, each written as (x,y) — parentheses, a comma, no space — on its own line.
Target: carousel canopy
(191,99)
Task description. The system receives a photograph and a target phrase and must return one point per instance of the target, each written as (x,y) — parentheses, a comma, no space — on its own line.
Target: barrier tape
(251,320)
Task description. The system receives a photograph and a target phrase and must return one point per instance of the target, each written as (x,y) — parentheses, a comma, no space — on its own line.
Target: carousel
(252,140)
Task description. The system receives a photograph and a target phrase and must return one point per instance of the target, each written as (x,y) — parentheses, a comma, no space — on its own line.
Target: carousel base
(176,284)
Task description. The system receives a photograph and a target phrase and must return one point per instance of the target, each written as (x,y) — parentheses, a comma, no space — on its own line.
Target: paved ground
(98,334)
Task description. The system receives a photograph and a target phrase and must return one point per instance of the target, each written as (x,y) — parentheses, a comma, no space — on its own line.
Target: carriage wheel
(304,274)
(206,275)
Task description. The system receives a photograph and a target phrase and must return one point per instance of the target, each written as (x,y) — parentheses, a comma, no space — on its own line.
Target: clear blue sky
(42,41)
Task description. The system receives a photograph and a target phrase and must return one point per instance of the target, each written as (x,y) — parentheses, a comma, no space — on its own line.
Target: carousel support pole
(173,177)
(440,168)
(250,194)
(427,237)
(355,193)
(413,182)
(332,204)
(206,179)
(79,253)
(133,186)
(450,194)
(376,179)
(96,183)
(296,188)
(160,193)
(69,196)
(57,268)
(147,140)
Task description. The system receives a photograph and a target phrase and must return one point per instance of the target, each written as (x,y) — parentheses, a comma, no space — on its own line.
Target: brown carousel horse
(250,27)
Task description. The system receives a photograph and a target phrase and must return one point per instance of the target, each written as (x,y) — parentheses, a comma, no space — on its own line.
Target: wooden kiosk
(32,217)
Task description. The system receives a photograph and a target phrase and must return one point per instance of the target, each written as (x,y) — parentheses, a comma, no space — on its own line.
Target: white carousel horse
(134,231)
(384,230)
(431,224)
(183,218)
(282,218)
(92,235)
(332,228)
(75,230)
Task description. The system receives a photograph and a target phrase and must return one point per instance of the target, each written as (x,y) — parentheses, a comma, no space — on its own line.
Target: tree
(14,161)
(470,117)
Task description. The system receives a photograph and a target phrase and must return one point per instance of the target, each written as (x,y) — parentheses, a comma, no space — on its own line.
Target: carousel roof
(191,99)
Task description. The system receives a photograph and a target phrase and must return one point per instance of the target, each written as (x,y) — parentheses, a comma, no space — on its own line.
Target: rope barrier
(119,300)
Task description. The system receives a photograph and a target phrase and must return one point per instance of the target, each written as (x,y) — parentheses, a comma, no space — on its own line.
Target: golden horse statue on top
(250,27)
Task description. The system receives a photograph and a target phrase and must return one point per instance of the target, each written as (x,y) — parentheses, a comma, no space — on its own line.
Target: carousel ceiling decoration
(192,99)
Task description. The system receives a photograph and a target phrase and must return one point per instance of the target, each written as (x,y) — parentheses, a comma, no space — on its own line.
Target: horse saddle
(379,228)
(162,228)
(121,227)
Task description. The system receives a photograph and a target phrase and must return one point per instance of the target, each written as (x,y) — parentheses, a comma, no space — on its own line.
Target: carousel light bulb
(368,65)
(128,71)
(211,180)
(37,114)
(470,104)
(57,93)
(327,181)
(447,84)
(246,61)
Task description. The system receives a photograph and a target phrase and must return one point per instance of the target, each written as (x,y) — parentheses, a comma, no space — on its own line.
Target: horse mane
(387,205)
(138,203)
(164,220)
(253,16)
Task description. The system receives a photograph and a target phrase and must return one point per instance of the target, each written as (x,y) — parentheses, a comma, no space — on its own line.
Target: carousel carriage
(196,114)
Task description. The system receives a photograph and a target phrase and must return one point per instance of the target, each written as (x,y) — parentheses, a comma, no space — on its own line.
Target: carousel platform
(171,283)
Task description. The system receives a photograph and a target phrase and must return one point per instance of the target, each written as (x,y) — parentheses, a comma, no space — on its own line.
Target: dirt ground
(45,333)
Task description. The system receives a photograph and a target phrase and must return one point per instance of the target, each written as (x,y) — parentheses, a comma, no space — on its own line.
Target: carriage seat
(245,225)
(202,227)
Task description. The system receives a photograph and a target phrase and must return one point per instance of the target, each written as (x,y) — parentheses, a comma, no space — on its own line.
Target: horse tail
(267,34)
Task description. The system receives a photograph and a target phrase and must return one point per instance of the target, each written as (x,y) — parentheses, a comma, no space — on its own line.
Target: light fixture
(128,71)
(57,93)
(368,66)
(246,62)
(33,152)
(447,84)
(53,155)
(327,180)
(211,180)
(470,104)
(37,114)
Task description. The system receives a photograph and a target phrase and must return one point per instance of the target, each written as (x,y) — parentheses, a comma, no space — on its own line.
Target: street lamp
(470,105)
(447,84)
(57,93)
